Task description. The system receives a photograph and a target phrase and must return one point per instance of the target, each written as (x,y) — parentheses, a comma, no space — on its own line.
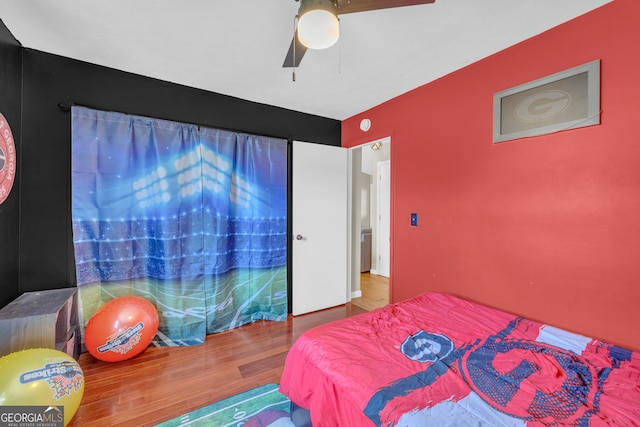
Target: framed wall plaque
(566,100)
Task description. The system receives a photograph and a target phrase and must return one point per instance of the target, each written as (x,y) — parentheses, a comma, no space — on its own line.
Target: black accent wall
(51,82)
(10,102)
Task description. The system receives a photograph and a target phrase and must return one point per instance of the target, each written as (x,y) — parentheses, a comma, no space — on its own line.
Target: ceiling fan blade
(353,6)
(300,50)
(346,6)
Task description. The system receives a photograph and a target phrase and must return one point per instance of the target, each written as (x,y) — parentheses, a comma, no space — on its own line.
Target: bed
(438,360)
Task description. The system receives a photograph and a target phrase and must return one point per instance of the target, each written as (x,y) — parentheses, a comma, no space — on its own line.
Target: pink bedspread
(443,361)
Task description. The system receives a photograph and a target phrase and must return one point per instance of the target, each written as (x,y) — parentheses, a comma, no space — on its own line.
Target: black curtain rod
(66,107)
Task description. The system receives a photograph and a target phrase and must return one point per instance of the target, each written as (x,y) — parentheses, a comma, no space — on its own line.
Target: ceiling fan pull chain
(295,42)
(339,49)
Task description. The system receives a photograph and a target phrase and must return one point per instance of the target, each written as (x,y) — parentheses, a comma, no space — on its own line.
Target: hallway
(375,292)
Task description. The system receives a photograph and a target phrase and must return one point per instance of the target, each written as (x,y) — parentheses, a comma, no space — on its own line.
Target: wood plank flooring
(375,292)
(163,383)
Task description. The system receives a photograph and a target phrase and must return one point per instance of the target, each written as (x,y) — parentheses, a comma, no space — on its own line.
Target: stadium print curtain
(192,219)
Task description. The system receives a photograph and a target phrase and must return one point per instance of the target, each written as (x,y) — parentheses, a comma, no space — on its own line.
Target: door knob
(299,237)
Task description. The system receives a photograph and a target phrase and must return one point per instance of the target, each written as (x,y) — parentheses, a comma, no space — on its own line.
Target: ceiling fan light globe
(318,29)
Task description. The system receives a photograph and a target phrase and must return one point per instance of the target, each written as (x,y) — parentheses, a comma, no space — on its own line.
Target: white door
(384,218)
(320,233)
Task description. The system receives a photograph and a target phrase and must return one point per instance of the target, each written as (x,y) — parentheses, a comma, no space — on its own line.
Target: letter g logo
(542,106)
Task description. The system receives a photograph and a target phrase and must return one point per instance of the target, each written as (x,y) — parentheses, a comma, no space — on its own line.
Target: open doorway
(370,166)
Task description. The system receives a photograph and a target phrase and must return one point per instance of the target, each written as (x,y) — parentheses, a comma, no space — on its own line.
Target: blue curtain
(193,219)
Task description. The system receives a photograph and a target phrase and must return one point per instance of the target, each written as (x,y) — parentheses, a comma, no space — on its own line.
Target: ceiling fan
(317,22)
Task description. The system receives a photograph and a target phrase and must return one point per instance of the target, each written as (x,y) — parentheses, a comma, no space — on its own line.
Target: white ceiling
(237,47)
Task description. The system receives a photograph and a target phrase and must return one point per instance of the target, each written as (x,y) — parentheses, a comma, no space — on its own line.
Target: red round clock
(7,159)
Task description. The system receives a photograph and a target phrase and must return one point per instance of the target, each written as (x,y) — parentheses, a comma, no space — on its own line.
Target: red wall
(545,227)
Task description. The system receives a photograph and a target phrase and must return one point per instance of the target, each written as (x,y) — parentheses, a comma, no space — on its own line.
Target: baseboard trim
(356,294)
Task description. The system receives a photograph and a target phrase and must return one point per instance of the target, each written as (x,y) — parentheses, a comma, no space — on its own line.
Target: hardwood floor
(375,292)
(163,383)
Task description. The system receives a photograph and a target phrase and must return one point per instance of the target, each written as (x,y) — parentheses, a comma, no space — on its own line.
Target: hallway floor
(375,292)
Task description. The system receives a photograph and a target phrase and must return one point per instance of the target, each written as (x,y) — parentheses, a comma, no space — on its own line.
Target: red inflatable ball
(121,329)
